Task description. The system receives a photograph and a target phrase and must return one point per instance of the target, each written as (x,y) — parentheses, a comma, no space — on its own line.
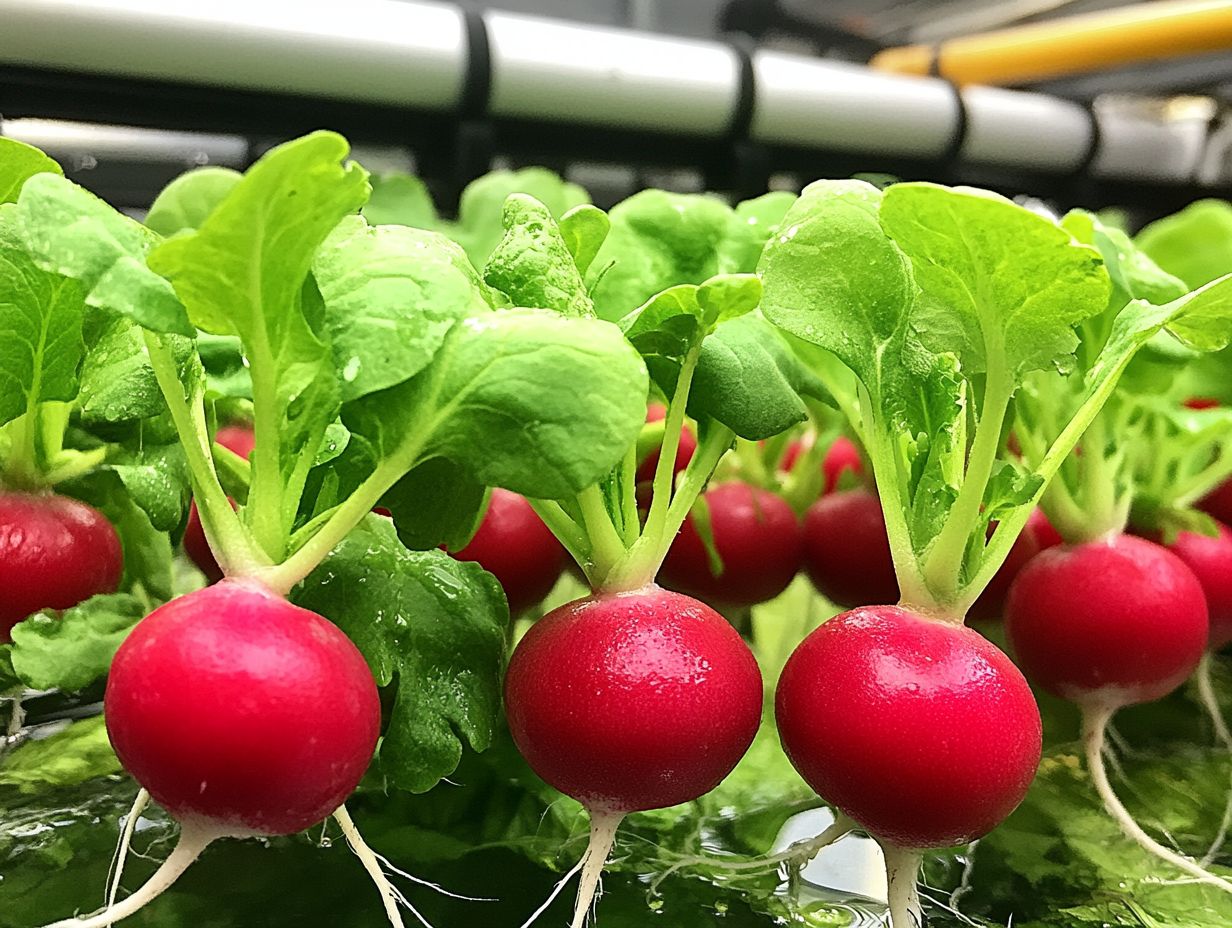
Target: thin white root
(390,896)
(1206,695)
(902,873)
(556,891)
(798,853)
(1094,723)
(17,718)
(603,827)
(188,848)
(126,840)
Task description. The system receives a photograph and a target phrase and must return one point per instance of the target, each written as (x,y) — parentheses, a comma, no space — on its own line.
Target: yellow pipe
(1074,45)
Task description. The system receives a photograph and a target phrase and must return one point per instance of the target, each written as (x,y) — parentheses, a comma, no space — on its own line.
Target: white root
(126,840)
(902,873)
(390,895)
(17,718)
(556,891)
(1094,724)
(1206,695)
(603,827)
(192,841)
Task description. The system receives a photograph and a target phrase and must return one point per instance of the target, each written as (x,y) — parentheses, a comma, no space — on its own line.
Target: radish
(1046,535)
(1218,503)
(514,545)
(55,552)
(921,731)
(242,715)
(1109,623)
(847,551)
(991,602)
(1210,559)
(757,539)
(241,440)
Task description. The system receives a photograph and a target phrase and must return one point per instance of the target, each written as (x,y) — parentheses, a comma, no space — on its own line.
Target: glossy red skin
(1218,503)
(847,551)
(684,451)
(1211,561)
(758,538)
(55,552)
(238,438)
(1046,535)
(633,701)
(1201,402)
(921,731)
(514,545)
(1107,623)
(242,712)
(991,603)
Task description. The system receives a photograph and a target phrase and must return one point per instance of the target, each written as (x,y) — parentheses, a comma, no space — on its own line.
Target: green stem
(75,465)
(642,561)
(942,568)
(567,532)
(628,496)
(665,468)
(1104,512)
(807,477)
(264,510)
(606,547)
(911,587)
(228,540)
(1201,483)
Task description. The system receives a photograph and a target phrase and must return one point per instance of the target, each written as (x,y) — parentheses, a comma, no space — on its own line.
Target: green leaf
(436,504)
(18,163)
(1134,275)
(751,226)
(40,328)
(156,479)
(538,403)
(435,625)
(748,379)
(1194,244)
(835,279)
(1000,286)
(584,229)
(391,294)
(532,264)
(401,200)
(71,650)
(657,240)
(186,202)
(226,374)
(478,228)
(78,754)
(73,233)
(245,272)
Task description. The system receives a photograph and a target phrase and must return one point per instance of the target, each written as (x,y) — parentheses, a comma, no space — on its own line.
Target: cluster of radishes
(922,505)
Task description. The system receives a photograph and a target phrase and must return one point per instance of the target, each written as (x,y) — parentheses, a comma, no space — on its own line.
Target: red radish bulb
(684,451)
(631,701)
(846,549)
(1210,559)
(55,552)
(1106,624)
(1218,503)
(243,715)
(240,439)
(921,731)
(1201,402)
(758,538)
(514,545)
(1046,535)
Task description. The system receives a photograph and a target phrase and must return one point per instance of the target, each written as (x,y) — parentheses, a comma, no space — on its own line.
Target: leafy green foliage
(40,328)
(752,224)
(400,199)
(657,240)
(584,229)
(434,624)
(478,228)
(491,402)
(71,232)
(436,503)
(185,203)
(391,294)
(70,650)
(533,265)
(78,754)
(18,163)
(1194,244)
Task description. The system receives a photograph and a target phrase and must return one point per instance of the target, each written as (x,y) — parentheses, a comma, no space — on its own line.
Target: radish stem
(1094,723)
(192,841)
